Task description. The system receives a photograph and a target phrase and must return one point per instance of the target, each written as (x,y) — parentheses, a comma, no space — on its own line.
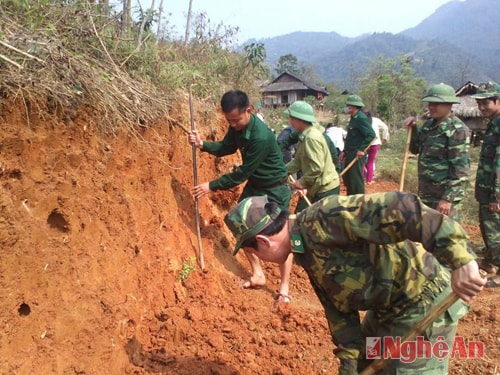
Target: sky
(269,18)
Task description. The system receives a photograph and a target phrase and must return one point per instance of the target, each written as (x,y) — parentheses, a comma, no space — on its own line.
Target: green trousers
(353,178)
(301,204)
(279,194)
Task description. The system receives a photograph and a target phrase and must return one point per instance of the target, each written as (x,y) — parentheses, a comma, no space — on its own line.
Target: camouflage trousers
(489,223)
(388,329)
(456,208)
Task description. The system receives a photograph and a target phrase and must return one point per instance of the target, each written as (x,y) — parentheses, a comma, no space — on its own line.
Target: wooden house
(467,109)
(288,88)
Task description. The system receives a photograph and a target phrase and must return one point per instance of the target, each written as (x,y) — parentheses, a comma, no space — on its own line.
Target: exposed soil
(95,234)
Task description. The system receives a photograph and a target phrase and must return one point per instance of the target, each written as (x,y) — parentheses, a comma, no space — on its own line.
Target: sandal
(248,284)
(493,282)
(283,298)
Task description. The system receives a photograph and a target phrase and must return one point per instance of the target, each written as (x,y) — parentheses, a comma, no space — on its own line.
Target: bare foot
(255,281)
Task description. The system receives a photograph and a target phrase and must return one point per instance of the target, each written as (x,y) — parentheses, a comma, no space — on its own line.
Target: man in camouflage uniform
(359,135)
(487,190)
(359,255)
(262,169)
(442,144)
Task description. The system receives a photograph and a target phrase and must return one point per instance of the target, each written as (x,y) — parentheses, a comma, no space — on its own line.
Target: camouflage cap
(249,218)
(487,90)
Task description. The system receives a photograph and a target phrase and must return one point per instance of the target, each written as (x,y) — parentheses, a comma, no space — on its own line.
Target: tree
(254,57)
(188,22)
(391,89)
(288,63)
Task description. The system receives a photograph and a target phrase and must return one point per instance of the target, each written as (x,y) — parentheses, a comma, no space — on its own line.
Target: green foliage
(390,89)
(288,63)
(130,72)
(188,266)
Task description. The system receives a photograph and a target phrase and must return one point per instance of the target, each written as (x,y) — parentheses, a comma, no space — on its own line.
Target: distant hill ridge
(459,42)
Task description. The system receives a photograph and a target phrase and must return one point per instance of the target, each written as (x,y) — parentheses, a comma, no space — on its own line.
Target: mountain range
(459,42)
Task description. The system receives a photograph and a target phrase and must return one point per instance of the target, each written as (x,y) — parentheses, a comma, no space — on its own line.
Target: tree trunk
(188,23)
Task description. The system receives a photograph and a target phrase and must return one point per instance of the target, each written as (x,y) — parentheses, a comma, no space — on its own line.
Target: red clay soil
(96,233)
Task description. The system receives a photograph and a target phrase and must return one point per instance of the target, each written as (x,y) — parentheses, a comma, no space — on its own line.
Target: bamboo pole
(195,175)
(353,161)
(292,180)
(417,330)
(405,158)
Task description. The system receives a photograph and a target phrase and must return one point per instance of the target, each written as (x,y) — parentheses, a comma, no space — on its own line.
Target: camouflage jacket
(488,169)
(358,253)
(443,159)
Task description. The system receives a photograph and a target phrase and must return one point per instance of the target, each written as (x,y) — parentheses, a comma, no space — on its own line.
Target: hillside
(458,43)
(471,25)
(100,263)
(96,233)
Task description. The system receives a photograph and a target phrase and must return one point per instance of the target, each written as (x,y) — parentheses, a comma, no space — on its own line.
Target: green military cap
(441,93)
(301,110)
(354,100)
(249,218)
(488,90)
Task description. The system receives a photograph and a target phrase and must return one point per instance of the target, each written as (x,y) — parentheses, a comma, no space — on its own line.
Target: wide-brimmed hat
(301,110)
(249,218)
(441,93)
(354,100)
(488,90)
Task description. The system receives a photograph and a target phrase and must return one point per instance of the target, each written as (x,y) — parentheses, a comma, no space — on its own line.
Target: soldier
(313,159)
(359,256)
(442,144)
(359,135)
(262,169)
(487,190)
(288,151)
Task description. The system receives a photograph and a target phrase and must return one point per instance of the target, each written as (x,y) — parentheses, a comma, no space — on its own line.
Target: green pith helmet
(489,90)
(301,110)
(441,93)
(354,100)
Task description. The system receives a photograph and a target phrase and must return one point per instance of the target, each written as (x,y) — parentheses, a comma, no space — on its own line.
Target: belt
(277,183)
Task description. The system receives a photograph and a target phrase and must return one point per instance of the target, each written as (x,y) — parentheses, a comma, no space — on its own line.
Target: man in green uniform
(359,254)
(313,159)
(442,144)
(359,135)
(262,168)
(487,189)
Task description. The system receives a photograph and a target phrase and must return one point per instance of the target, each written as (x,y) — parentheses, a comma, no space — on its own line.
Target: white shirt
(378,125)
(337,135)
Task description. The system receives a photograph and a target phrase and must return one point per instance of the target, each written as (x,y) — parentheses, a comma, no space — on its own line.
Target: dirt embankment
(95,234)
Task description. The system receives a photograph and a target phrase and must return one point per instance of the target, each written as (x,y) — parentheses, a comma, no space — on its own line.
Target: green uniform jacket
(443,159)
(359,134)
(488,168)
(314,160)
(350,246)
(293,138)
(263,164)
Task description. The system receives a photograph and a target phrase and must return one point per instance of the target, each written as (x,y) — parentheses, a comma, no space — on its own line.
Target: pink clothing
(370,164)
